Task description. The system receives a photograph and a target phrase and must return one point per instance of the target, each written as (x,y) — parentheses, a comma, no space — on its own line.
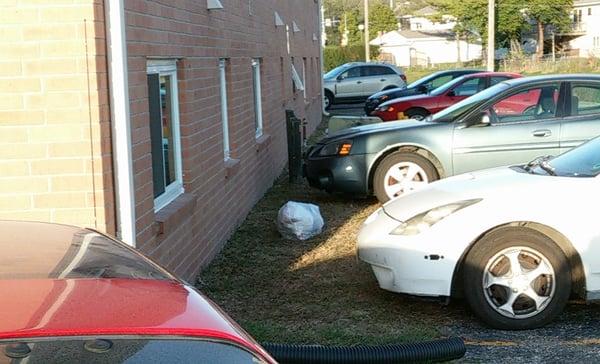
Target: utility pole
(392,4)
(491,47)
(367,49)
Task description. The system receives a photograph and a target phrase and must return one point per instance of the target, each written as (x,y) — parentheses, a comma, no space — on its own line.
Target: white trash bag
(297,220)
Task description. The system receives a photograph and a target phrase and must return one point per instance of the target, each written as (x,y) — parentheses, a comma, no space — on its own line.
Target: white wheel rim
(326,101)
(417,117)
(404,177)
(518,282)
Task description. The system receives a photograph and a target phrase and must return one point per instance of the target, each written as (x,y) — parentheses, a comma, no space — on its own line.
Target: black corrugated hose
(430,351)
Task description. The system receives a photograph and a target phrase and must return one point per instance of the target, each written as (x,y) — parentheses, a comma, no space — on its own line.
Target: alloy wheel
(518,282)
(404,177)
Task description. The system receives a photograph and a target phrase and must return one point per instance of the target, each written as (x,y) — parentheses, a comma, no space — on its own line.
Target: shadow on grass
(313,291)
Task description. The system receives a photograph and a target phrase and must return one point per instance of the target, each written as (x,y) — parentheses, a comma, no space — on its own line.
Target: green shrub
(334,56)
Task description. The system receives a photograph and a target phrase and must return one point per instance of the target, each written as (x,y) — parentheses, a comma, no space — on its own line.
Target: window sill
(231,167)
(169,217)
(262,142)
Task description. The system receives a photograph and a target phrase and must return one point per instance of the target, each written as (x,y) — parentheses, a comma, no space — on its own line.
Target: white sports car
(517,241)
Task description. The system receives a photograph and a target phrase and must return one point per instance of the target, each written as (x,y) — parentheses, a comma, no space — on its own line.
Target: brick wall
(218,198)
(55,162)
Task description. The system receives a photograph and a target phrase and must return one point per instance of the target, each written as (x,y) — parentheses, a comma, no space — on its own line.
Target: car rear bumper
(338,174)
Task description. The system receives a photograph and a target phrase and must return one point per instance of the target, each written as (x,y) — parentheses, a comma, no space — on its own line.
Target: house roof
(581,3)
(404,36)
(426,11)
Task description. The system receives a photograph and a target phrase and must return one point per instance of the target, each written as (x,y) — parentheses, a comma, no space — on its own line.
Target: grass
(313,291)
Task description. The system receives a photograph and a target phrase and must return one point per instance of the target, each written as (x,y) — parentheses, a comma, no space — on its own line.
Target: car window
(531,104)
(583,161)
(585,99)
(130,351)
(497,79)
(470,87)
(438,81)
(351,73)
(376,71)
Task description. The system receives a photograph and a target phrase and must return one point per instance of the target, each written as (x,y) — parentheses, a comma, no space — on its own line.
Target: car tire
(404,163)
(521,248)
(328,100)
(417,114)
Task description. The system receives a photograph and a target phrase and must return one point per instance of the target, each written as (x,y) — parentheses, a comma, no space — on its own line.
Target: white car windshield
(583,161)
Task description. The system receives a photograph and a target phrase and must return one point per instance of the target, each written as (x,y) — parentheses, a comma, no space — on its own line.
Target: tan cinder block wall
(55,153)
(185,30)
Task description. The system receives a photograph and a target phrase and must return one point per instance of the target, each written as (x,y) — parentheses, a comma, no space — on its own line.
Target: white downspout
(121,126)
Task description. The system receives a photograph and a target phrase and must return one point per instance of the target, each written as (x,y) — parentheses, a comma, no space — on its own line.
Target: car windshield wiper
(541,162)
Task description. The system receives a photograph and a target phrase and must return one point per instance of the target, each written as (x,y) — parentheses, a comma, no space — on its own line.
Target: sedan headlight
(337,148)
(423,221)
(385,109)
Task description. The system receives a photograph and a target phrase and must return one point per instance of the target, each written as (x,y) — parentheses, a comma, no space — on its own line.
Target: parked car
(517,241)
(512,122)
(76,295)
(359,80)
(421,86)
(420,106)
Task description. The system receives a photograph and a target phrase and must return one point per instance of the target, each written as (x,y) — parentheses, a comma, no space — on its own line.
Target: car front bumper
(421,265)
(338,174)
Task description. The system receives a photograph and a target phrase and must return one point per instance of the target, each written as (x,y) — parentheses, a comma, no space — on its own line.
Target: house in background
(420,20)
(584,36)
(407,48)
(162,122)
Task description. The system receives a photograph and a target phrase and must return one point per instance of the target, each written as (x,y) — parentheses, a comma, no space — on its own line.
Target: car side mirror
(451,93)
(339,78)
(485,119)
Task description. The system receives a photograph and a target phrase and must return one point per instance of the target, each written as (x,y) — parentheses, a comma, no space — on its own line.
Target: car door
(349,83)
(459,92)
(522,126)
(582,121)
(375,78)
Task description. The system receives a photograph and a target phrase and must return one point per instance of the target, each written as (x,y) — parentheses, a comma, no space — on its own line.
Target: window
(258,117)
(224,107)
(304,76)
(296,81)
(528,105)
(497,79)
(377,71)
(437,82)
(163,105)
(589,11)
(351,73)
(470,87)
(585,99)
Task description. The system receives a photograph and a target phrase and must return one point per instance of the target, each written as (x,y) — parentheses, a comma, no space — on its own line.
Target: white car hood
(499,183)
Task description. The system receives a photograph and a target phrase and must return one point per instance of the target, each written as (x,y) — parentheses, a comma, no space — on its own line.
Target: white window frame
(257,97)
(224,107)
(172,191)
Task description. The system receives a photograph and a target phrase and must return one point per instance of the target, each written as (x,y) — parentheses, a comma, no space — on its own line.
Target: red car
(419,107)
(74,295)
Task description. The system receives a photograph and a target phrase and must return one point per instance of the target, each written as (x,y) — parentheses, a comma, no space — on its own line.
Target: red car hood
(81,307)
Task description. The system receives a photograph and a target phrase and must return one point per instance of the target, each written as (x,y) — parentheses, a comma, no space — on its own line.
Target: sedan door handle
(541,133)
(358,82)
(383,80)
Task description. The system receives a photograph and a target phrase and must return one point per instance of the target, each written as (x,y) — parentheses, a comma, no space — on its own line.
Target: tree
(349,22)
(553,13)
(381,19)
